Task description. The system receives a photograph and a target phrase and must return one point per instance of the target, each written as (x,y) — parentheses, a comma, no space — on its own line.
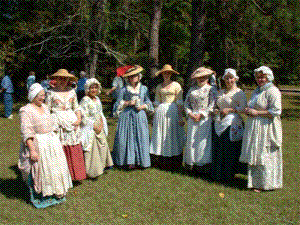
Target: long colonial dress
(168,137)
(199,134)
(48,178)
(227,135)
(262,140)
(96,151)
(64,108)
(132,142)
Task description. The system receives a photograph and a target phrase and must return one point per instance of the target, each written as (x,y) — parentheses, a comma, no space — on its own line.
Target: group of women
(64,141)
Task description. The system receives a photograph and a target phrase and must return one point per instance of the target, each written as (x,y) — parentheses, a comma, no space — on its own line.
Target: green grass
(155,196)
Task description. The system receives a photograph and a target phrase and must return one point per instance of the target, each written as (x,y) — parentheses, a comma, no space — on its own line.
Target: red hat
(122,70)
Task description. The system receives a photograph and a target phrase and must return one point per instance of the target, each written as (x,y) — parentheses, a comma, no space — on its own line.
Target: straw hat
(64,73)
(166,68)
(201,72)
(134,70)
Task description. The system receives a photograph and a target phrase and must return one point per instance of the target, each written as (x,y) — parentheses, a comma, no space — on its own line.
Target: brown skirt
(75,159)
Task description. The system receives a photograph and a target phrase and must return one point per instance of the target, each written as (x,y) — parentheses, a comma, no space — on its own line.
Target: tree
(154,36)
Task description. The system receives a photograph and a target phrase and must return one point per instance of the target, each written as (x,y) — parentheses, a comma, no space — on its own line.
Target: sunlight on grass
(155,196)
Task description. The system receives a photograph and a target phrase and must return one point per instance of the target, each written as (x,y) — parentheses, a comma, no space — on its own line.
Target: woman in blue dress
(132,139)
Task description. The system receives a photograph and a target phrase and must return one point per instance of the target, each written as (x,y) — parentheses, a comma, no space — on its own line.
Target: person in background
(45,83)
(94,130)
(117,84)
(42,160)
(168,135)
(228,129)
(262,140)
(7,89)
(62,102)
(80,85)
(132,142)
(199,104)
(30,79)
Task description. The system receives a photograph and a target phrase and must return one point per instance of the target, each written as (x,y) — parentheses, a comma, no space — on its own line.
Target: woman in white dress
(199,104)
(62,102)
(41,160)
(262,139)
(168,135)
(229,128)
(94,131)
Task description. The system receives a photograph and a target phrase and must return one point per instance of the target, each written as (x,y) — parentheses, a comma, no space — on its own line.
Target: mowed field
(156,196)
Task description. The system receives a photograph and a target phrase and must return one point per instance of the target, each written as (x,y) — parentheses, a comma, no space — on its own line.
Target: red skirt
(75,159)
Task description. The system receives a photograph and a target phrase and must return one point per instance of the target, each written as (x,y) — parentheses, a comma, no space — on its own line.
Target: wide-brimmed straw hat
(134,70)
(64,73)
(166,68)
(201,72)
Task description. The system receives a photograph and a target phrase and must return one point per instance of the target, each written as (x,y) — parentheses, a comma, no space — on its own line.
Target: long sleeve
(274,102)
(241,101)
(75,105)
(119,104)
(84,104)
(212,97)
(147,101)
(27,130)
(187,103)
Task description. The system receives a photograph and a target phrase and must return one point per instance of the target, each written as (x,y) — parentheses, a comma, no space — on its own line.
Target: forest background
(99,35)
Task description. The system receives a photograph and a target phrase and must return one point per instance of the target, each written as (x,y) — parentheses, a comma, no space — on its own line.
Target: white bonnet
(89,83)
(232,72)
(34,90)
(265,70)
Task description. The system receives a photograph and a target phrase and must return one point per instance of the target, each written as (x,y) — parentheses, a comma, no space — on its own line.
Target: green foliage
(239,33)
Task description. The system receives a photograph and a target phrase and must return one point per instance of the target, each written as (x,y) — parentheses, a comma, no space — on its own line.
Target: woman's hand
(142,107)
(251,112)
(129,103)
(76,124)
(226,111)
(34,156)
(196,117)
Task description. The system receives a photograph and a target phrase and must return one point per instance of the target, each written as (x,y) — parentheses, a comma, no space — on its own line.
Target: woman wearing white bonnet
(94,131)
(228,128)
(262,139)
(41,160)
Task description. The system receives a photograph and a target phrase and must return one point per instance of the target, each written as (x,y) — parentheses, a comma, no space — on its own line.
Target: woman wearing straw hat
(198,105)
(132,142)
(94,131)
(62,102)
(227,138)
(168,135)
(42,160)
(262,139)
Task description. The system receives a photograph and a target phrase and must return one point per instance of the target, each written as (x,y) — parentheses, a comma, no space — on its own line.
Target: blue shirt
(81,83)
(30,81)
(7,84)
(118,83)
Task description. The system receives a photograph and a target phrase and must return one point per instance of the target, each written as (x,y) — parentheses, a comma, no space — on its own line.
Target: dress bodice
(235,99)
(173,93)
(59,102)
(200,99)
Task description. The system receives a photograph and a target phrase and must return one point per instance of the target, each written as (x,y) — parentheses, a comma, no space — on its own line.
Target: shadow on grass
(14,188)
(174,165)
(290,114)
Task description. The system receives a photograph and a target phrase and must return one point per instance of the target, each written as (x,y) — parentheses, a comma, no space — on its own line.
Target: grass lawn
(155,196)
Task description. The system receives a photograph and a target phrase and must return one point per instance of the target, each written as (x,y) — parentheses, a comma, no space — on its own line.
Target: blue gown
(132,140)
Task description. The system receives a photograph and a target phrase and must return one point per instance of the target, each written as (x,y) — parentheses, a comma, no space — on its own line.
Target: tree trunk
(95,35)
(154,36)
(197,39)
